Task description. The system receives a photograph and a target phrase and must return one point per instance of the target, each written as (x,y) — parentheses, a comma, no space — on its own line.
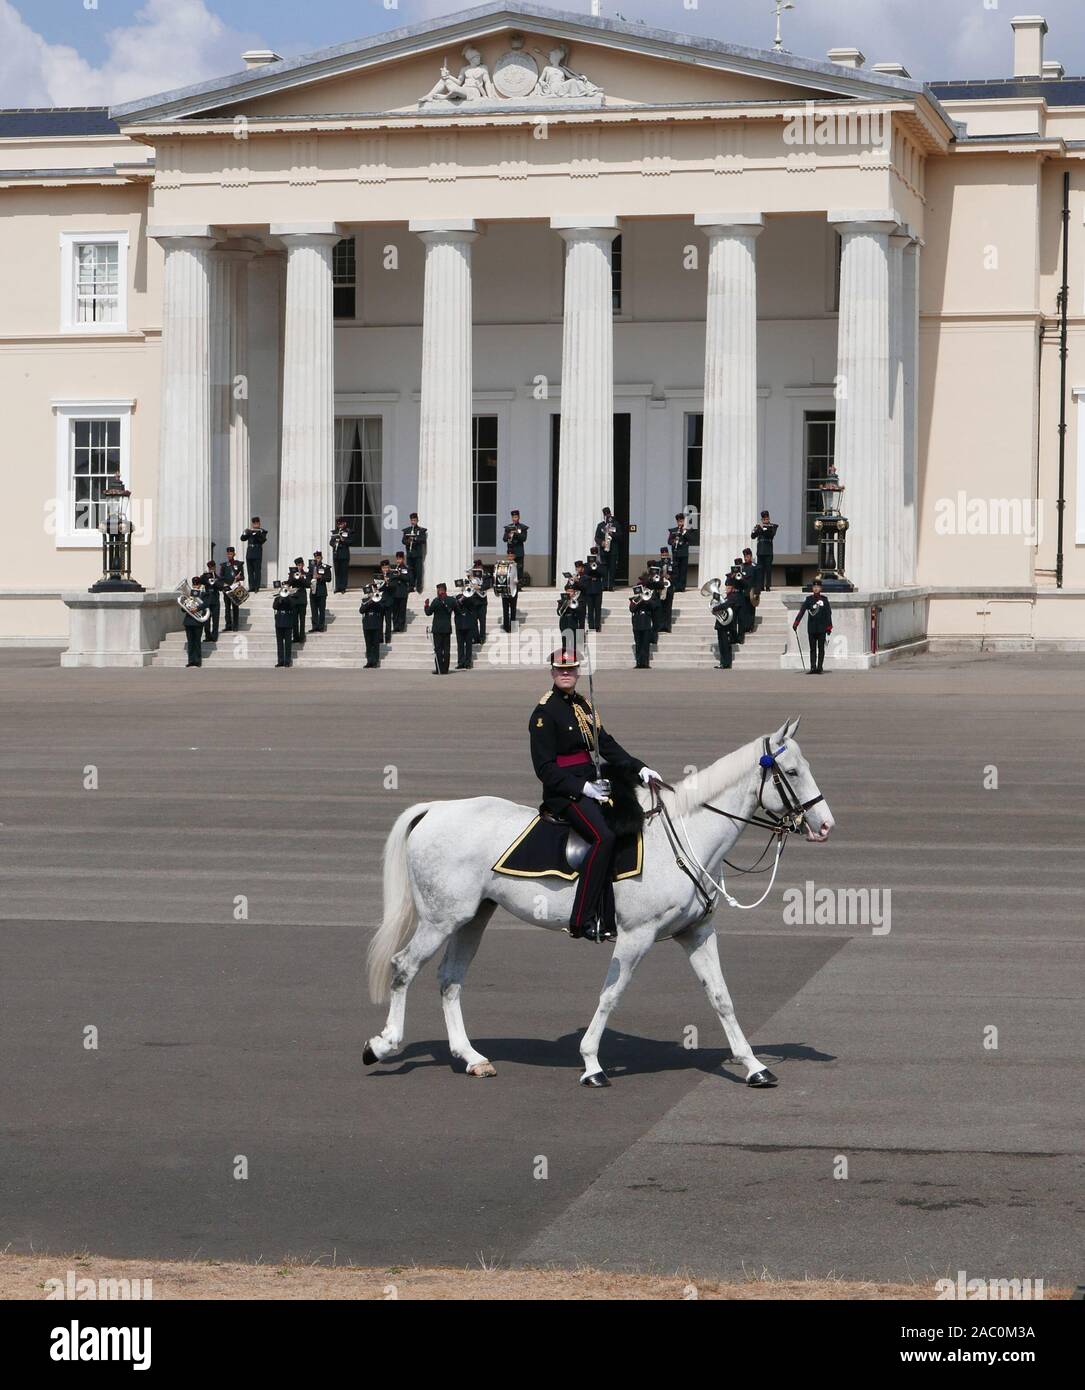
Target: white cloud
(170,43)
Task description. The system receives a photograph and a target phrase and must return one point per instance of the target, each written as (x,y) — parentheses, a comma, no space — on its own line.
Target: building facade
(521,258)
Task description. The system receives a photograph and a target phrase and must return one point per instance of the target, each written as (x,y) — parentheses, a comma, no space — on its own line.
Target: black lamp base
(116,586)
(832,584)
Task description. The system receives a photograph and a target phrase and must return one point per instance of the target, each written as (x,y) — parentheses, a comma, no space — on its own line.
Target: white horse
(440,889)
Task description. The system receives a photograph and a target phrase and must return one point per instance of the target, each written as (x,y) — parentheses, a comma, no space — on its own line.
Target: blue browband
(769,759)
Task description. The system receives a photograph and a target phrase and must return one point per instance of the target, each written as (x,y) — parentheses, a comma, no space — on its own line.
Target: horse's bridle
(794,816)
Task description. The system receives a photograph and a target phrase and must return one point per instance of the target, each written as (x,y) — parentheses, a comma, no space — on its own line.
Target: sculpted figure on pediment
(559,80)
(473,82)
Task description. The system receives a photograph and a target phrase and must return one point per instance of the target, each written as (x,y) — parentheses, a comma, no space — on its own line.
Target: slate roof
(27,122)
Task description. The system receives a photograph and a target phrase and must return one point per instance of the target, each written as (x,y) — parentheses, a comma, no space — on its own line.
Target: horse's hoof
(762,1079)
(369,1056)
(595,1078)
(482,1069)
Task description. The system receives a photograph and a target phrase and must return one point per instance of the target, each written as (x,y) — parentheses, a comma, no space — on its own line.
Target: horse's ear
(779,738)
(794,729)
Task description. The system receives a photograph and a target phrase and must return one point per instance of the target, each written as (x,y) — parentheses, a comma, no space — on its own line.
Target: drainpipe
(1064,310)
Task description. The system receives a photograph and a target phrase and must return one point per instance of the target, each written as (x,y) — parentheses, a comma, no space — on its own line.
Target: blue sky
(54,51)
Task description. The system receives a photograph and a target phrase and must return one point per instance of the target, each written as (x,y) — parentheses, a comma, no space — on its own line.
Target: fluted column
(910,333)
(729,445)
(586,461)
(863,426)
(444,431)
(182,521)
(229,394)
(307,474)
(894,475)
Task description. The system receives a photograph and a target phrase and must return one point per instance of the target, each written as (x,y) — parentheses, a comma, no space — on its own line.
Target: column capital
(464,226)
(199,236)
(882,220)
(733,223)
(238,249)
(594,226)
(315,233)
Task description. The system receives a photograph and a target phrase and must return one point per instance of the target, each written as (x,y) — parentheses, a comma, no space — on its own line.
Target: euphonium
(712,590)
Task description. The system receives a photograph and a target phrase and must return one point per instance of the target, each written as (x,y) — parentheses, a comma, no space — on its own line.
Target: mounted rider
(564,735)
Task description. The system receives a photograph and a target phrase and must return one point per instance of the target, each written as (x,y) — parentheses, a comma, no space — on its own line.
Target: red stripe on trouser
(585,884)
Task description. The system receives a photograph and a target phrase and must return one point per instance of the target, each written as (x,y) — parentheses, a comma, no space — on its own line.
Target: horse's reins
(779,826)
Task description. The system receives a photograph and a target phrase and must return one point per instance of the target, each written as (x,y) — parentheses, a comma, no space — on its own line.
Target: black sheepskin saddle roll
(551,847)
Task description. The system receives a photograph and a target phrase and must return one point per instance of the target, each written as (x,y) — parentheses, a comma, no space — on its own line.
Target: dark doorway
(623,433)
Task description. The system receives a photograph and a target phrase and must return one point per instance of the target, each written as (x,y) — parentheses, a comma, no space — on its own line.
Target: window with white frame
(92,446)
(94,282)
(345,278)
(484,481)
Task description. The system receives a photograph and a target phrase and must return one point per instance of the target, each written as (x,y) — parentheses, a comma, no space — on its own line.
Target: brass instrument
(723,613)
(568,603)
(340,536)
(191,602)
(610,530)
(712,590)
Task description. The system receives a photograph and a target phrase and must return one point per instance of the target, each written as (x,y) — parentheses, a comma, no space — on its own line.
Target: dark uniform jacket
(515,538)
(255,539)
(678,538)
(283,604)
(318,579)
(212,588)
(229,572)
(764,533)
(561,724)
(193,623)
(819,614)
(299,583)
(643,614)
(414,539)
(440,612)
(372,611)
(463,610)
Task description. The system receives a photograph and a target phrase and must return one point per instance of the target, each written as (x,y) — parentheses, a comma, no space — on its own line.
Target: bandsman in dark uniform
(641,612)
(593,581)
(230,571)
(298,582)
(744,614)
(212,592)
(514,539)
(751,572)
(283,606)
(562,741)
(663,582)
(764,533)
(678,540)
(819,623)
(414,545)
(388,598)
(726,615)
(194,625)
(479,602)
(340,543)
(463,615)
(439,610)
(571,611)
(400,589)
(255,539)
(372,610)
(508,602)
(607,545)
(319,575)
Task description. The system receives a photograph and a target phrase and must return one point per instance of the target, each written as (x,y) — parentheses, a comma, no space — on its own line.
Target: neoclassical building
(523,258)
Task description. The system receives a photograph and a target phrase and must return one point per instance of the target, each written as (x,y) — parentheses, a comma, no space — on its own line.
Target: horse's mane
(709,782)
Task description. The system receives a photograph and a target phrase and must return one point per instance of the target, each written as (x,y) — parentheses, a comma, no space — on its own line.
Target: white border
(1079,500)
(66,411)
(68,243)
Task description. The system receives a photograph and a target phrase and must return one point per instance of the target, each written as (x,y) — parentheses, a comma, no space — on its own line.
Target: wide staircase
(691,644)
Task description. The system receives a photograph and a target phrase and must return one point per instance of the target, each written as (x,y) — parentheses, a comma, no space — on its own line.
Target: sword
(594,718)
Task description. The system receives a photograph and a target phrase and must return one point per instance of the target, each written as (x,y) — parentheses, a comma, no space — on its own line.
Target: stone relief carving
(516,78)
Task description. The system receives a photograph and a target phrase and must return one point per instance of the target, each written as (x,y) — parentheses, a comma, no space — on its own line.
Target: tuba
(712,590)
(723,613)
(190,601)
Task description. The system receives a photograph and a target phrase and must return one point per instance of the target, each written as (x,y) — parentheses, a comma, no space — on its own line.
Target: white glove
(598,791)
(647,775)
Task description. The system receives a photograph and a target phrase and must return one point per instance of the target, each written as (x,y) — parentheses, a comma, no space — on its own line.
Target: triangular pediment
(517,55)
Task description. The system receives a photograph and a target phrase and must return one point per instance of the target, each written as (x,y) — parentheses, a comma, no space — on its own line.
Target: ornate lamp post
(116,531)
(832,530)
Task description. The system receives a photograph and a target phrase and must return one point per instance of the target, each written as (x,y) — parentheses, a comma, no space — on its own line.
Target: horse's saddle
(551,847)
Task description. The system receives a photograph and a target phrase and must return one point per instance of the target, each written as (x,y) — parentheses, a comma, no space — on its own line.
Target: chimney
(1028,45)
(891,69)
(847,57)
(259,58)
(1053,71)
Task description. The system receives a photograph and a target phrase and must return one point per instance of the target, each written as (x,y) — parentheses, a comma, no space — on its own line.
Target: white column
(183,517)
(307,475)
(910,331)
(862,409)
(894,475)
(229,395)
(729,450)
(444,432)
(586,461)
